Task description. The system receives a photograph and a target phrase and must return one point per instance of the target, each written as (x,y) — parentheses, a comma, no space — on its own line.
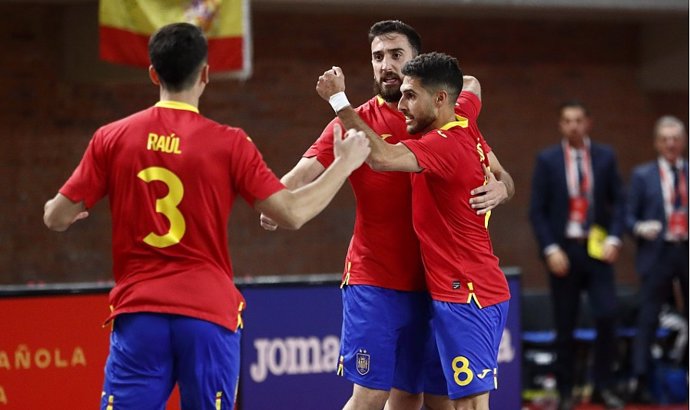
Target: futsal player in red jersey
(469,292)
(171,176)
(385,303)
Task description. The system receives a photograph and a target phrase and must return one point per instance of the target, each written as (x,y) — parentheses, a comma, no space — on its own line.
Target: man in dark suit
(657,215)
(576,211)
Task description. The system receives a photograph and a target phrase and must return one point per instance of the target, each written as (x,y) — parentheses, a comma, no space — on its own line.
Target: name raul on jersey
(170,144)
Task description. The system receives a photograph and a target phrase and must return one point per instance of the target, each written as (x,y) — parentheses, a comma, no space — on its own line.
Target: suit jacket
(646,202)
(550,202)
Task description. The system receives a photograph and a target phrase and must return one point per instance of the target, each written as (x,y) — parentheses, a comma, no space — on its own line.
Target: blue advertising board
(291,343)
(509,393)
(290,349)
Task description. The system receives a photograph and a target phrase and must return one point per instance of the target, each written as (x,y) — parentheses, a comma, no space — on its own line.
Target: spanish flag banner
(126,25)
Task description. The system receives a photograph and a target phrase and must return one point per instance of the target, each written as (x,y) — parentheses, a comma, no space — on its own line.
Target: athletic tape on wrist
(338,101)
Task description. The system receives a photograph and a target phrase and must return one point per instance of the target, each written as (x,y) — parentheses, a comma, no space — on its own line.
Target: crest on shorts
(363,361)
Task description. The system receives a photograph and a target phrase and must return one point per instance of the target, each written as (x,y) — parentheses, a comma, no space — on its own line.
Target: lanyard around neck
(583,180)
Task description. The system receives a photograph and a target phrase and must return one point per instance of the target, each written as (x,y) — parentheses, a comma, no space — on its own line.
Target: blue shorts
(150,352)
(468,339)
(383,338)
(434,379)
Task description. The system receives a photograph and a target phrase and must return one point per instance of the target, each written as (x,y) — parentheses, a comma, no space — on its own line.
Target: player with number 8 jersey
(468,290)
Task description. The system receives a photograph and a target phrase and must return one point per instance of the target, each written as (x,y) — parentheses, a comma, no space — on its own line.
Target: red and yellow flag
(126,25)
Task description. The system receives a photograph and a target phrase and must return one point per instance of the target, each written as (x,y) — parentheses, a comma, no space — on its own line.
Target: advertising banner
(53,350)
(290,349)
(509,393)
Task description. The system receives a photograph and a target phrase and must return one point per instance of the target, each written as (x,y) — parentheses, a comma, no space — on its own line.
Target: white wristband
(338,101)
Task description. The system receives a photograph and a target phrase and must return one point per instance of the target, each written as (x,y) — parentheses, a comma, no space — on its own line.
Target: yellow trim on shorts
(346,281)
(219,395)
(240,322)
(340,370)
(472,296)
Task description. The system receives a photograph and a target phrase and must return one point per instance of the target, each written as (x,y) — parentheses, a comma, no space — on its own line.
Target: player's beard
(422,124)
(388,94)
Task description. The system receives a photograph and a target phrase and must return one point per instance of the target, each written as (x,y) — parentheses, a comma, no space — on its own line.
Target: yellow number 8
(166,206)
(464,368)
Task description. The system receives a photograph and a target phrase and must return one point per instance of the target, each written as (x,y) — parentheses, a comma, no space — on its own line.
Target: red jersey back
(171,176)
(384,250)
(456,248)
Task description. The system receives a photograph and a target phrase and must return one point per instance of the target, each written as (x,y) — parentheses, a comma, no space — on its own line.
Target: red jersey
(171,176)
(468,106)
(456,248)
(384,250)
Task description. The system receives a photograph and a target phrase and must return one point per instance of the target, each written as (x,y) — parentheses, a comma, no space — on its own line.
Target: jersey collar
(176,105)
(461,122)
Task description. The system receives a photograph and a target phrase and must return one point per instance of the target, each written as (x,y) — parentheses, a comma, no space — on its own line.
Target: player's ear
(205,78)
(153,75)
(441,97)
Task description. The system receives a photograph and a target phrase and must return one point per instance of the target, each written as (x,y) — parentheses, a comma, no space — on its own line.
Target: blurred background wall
(628,60)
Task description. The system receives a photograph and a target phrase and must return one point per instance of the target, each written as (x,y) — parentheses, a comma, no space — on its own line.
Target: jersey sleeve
(89,181)
(249,172)
(436,153)
(322,148)
(468,105)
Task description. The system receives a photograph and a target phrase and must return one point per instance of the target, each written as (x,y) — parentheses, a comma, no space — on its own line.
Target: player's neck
(190,96)
(444,117)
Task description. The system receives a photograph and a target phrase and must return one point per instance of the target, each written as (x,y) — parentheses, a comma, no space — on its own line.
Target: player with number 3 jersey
(171,176)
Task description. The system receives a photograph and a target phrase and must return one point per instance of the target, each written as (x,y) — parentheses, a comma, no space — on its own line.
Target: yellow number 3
(464,369)
(166,206)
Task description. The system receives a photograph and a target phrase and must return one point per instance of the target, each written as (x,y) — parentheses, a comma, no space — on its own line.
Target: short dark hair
(436,70)
(573,104)
(397,26)
(177,52)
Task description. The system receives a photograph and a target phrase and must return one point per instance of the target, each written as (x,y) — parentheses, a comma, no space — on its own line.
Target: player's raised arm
(499,188)
(305,171)
(292,209)
(384,156)
(471,84)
